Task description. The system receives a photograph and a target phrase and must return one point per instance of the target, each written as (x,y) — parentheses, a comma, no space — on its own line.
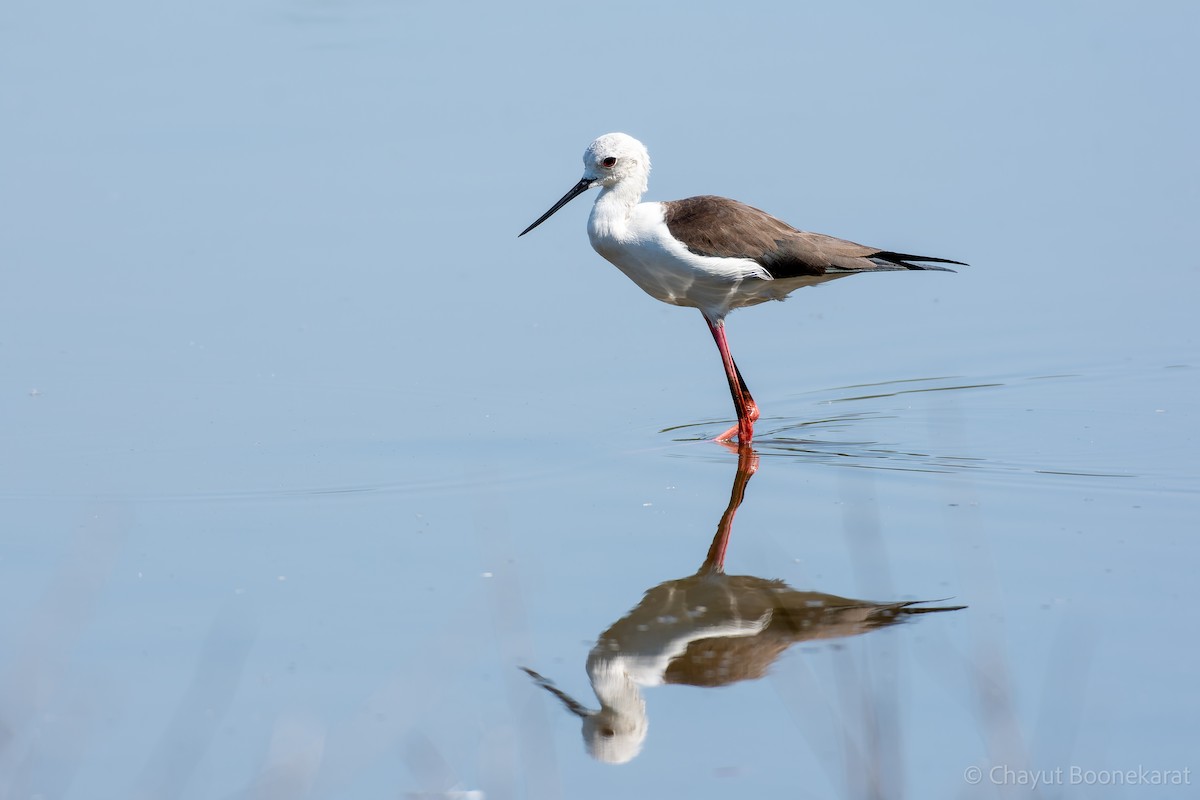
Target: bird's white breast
(639,243)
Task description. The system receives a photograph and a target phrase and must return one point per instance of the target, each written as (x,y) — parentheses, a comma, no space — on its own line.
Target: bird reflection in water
(708,629)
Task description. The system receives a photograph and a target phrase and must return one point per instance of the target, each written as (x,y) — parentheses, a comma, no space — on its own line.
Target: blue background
(303,452)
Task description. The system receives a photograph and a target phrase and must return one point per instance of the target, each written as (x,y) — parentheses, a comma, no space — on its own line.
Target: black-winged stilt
(710,253)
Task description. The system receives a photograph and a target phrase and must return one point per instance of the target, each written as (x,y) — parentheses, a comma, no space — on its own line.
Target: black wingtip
(889,259)
(906,258)
(920,607)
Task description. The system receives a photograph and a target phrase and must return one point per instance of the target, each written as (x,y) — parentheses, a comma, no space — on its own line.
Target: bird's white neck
(615,687)
(613,208)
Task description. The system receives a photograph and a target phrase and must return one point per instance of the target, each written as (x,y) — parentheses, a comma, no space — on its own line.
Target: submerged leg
(747,409)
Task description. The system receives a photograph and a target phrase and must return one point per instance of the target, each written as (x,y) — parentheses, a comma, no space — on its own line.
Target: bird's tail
(918,607)
(886,258)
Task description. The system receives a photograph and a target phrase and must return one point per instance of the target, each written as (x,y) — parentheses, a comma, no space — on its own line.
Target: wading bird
(710,253)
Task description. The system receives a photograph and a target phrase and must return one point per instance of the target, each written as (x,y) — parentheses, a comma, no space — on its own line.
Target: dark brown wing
(724,228)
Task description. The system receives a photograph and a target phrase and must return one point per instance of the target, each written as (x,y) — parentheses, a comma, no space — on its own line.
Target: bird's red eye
(609,162)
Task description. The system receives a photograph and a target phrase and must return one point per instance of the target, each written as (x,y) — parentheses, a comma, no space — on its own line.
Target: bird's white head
(617,157)
(614,737)
(614,160)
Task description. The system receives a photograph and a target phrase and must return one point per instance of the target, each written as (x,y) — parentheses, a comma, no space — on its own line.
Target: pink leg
(747,409)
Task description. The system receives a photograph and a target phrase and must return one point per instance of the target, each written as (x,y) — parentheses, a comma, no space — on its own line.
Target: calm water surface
(306,457)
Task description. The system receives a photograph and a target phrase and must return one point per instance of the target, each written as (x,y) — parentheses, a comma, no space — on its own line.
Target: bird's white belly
(644,250)
(713,285)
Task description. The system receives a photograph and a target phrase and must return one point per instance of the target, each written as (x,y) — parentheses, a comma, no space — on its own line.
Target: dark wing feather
(724,228)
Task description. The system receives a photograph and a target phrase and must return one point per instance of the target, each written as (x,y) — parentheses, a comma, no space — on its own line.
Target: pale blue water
(305,454)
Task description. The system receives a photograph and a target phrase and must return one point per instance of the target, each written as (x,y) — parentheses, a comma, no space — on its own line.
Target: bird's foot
(728,436)
(743,432)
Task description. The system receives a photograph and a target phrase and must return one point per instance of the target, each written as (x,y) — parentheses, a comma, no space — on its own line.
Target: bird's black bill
(576,190)
(573,705)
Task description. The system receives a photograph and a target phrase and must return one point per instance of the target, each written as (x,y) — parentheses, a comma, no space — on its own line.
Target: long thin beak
(576,190)
(573,705)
